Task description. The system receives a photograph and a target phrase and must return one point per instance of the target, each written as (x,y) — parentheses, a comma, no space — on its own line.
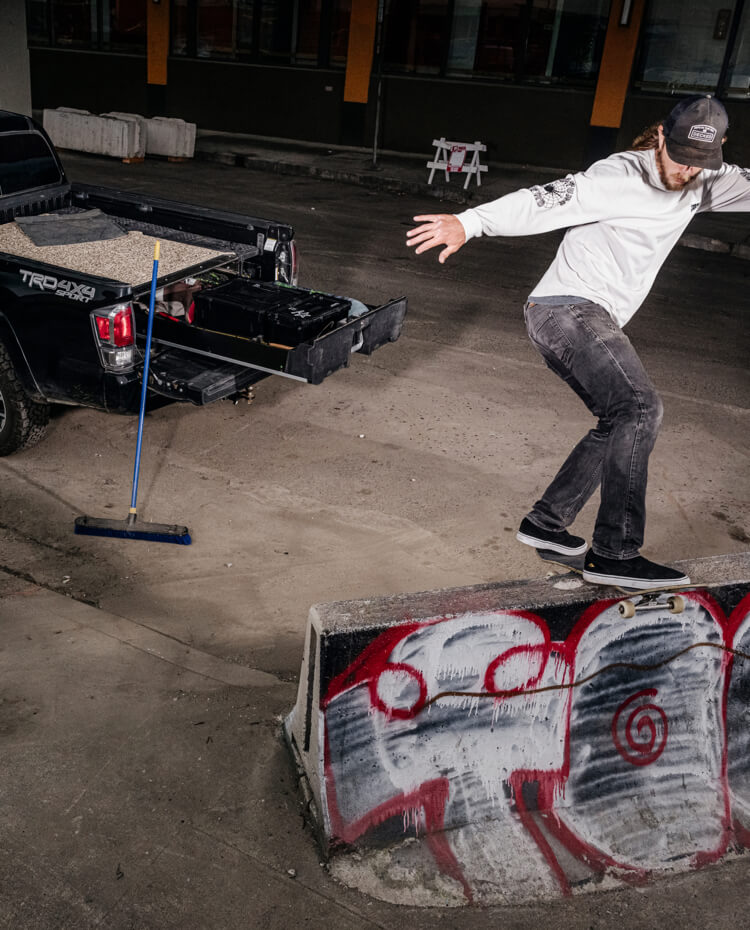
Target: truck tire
(23,421)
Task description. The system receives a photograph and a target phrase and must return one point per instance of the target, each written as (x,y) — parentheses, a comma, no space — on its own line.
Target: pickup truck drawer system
(304,357)
(277,314)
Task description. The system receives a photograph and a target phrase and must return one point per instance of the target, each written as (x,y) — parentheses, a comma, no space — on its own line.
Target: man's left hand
(437,229)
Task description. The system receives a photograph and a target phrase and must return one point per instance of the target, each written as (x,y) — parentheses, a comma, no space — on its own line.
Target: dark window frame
(520,73)
(721,87)
(97,44)
(252,55)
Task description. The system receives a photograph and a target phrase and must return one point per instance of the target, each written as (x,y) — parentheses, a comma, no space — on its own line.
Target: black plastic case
(276,313)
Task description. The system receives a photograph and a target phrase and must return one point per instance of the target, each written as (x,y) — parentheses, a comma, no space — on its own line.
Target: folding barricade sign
(452,158)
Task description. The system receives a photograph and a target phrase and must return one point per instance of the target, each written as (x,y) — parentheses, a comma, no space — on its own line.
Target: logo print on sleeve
(554,194)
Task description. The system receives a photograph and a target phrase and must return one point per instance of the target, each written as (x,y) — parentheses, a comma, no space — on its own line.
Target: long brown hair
(648,139)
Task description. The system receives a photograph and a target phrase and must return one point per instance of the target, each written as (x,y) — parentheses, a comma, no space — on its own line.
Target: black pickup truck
(75,279)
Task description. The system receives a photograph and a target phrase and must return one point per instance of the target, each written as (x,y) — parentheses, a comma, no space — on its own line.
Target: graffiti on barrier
(621,749)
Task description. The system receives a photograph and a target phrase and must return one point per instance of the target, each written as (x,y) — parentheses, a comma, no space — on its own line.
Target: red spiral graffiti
(645,729)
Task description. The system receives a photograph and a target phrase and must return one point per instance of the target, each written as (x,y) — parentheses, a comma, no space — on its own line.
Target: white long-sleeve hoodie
(623,224)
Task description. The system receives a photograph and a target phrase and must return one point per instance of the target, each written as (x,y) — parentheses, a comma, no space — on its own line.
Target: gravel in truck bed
(128,259)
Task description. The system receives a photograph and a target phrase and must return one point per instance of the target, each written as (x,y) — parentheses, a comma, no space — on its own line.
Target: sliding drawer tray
(310,361)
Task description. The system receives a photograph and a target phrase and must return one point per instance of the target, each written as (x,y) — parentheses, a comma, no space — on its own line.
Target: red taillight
(116,328)
(123,327)
(114,333)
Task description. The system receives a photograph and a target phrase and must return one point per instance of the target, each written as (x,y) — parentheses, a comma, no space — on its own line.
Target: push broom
(132,527)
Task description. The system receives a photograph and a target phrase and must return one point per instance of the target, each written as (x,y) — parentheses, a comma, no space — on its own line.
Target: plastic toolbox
(276,313)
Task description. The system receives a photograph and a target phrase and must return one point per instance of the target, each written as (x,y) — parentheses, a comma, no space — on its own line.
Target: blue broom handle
(144,386)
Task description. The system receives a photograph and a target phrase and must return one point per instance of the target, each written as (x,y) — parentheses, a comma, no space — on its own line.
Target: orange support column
(617,62)
(362,26)
(157,42)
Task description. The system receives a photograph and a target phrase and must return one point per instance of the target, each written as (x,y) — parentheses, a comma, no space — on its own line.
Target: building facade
(546,82)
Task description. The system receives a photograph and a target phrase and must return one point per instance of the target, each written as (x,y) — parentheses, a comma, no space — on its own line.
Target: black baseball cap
(695,130)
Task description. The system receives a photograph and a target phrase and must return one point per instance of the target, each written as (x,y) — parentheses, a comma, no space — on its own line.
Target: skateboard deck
(646,597)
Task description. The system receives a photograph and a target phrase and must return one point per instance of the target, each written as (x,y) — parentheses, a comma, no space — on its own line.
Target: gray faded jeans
(582,344)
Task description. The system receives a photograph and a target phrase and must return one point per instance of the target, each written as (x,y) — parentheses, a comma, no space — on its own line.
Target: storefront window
(125,26)
(500,30)
(115,25)
(576,39)
(416,36)
(73,23)
(307,32)
(245,26)
(541,40)
(179,25)
(213,28)
(216,28)
(275,40)
(340,14)
(683,47)
(284,31)
(738,84)
(37,22)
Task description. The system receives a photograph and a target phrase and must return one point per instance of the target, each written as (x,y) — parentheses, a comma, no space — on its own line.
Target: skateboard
(636,599)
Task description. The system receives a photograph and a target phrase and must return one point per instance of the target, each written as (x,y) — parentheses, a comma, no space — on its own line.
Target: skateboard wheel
(626,609)
(676,603)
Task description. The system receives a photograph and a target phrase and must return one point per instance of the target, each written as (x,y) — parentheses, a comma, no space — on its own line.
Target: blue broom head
(133,529)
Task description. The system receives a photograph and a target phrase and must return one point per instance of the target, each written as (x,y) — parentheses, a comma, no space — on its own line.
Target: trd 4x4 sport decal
(58,286)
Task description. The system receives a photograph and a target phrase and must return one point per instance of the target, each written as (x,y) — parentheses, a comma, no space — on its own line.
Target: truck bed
(127,259)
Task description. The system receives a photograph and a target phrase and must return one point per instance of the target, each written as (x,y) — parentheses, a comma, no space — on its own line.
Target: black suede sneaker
(637,573)
(555,541)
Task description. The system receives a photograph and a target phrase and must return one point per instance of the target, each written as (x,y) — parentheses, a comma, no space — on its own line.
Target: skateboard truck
(649,599)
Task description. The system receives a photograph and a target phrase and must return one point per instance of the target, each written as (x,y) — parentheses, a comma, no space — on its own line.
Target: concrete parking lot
(145,782)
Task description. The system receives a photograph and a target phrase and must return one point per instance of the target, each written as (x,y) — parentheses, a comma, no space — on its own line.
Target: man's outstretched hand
(437,229)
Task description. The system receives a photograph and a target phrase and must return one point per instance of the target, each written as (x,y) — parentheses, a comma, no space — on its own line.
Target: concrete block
(162,135)
(170,137)
(142,123)
(507,743)
(100,135)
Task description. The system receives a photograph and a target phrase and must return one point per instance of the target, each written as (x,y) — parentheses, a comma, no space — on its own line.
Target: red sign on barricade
(450,158)
(457,158)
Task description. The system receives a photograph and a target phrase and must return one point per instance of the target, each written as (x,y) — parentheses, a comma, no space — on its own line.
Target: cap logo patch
(702,133)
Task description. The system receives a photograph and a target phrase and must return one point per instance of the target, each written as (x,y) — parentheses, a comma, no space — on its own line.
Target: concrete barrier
(120,135)
(141,122)
(101,135)
(162,135)
(512,742)
(173,138)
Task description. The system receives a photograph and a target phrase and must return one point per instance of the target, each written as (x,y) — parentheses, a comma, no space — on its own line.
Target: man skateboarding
(624,215)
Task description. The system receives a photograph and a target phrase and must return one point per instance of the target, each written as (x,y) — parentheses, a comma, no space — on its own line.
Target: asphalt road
(409,471)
